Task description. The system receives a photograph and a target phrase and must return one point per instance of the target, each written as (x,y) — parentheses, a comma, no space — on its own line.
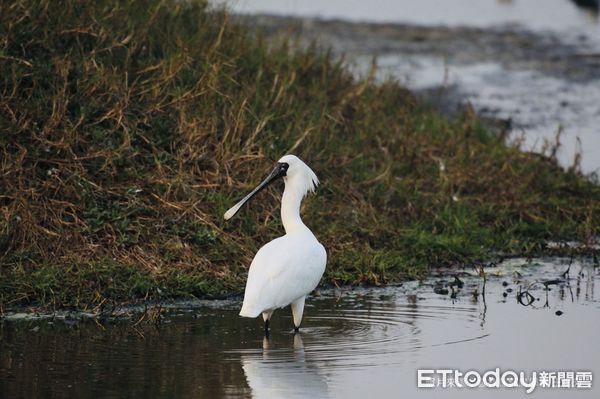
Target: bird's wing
(282,271)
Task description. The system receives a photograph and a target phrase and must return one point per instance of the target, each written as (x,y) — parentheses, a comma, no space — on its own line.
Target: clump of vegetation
(127,128)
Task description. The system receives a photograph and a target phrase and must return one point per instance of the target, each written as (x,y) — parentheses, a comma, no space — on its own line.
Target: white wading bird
(287,269)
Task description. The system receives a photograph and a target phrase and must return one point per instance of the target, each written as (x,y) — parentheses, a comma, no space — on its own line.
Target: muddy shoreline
(443,281)
(536,85)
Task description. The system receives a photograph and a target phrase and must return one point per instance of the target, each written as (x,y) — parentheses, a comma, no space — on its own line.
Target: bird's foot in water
(267,328)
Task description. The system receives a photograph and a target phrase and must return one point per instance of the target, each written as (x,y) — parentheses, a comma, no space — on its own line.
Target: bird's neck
(290,207)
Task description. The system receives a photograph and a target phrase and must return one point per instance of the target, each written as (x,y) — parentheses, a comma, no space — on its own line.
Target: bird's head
(293,171)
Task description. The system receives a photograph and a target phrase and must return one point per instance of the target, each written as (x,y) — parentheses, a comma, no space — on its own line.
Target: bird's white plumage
(300,176)
(283,271)
(288,268)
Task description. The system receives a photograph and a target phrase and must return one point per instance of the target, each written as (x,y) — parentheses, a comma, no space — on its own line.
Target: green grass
(127,128)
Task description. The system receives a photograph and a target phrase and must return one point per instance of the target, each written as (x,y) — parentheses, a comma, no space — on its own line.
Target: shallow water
(533,63)
(554,15)
(353,343)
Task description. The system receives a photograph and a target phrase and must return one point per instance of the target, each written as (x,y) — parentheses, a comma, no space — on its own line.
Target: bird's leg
(266,317)
(297,311)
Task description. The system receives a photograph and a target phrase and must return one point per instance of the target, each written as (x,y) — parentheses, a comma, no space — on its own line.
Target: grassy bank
(127,128)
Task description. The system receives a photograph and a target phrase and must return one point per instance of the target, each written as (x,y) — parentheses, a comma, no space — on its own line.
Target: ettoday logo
(496,378)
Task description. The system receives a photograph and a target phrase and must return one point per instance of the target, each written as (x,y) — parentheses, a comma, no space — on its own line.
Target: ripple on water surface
(353,342)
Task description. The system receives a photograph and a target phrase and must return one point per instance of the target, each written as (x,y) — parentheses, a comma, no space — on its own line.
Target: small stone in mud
(440,291)
(457,282)
(558,312)
(552,282)
(505,283)
(509,290)
(71,323)
(504,294)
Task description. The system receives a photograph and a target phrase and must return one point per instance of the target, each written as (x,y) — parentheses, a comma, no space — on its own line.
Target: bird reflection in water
(283,372)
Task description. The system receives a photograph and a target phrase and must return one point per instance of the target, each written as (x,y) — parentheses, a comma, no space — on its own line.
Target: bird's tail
(249,311)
